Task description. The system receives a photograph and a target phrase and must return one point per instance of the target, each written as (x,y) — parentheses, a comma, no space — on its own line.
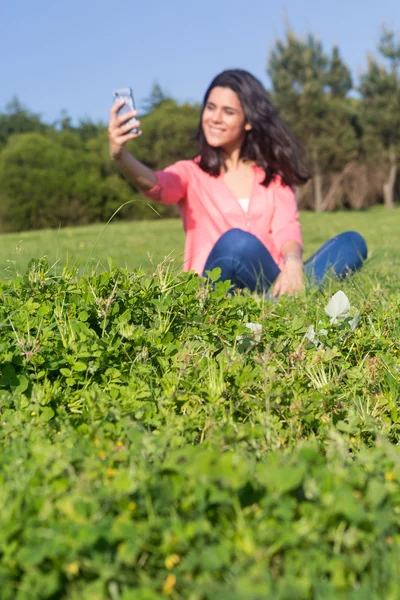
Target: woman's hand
(118,128)
(291,278)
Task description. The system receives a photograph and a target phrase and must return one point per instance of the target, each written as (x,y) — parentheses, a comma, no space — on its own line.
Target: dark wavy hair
(269,143)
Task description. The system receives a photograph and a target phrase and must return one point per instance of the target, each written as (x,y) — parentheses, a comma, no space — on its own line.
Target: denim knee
(235,240)
(356,241)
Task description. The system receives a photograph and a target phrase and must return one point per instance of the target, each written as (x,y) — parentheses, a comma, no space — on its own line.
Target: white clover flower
(338,307)
(256,329)
(310,335)
(354,321)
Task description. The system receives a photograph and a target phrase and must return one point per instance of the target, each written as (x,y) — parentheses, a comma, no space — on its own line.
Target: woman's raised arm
(137,173)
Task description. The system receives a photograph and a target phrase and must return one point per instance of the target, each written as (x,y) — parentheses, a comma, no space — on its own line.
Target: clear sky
(71,55)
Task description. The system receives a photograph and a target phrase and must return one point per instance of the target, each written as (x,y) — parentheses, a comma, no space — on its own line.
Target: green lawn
(146,243)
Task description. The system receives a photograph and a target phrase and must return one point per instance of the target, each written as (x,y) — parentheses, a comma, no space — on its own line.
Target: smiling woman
(236,197)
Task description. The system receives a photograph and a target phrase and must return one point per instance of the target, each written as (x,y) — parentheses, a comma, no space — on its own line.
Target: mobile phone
(126,95)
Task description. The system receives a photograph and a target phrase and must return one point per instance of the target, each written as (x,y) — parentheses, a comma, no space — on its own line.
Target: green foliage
(153,445)
(310,88)
(17,119)
(380,89)
(338,78)
(380,109)
(61,183)
(156,98)
(58,177)
(170,134)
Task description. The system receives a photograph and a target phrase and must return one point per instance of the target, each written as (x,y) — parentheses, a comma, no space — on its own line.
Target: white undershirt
(244,203)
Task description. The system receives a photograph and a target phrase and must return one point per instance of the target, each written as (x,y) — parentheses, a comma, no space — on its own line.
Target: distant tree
(155,99)
(380,111)
(37,179)
(169,134)
(88,129)
(113,190)
(64,122)
(309,89)
(17,119)
(55,179)
(338,77)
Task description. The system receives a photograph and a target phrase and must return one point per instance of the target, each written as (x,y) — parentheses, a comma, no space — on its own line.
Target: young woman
(236,197)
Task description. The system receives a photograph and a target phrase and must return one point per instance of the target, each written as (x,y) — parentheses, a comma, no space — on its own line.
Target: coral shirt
(208,209)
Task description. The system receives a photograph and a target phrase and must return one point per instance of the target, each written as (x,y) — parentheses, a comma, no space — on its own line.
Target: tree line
(60,174)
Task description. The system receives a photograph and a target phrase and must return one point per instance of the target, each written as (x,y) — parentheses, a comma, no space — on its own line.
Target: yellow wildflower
(171,561)
(73,568)
(169,585)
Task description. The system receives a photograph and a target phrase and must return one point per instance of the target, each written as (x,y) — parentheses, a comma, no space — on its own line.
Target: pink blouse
(208,209)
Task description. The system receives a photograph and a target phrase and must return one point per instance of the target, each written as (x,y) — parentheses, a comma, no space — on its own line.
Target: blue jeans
(247,263)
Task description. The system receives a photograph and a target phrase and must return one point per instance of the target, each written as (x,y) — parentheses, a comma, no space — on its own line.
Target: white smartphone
(126,95)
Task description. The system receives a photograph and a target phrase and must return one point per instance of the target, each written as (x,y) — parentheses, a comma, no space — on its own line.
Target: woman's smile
(216,130)
(223,119)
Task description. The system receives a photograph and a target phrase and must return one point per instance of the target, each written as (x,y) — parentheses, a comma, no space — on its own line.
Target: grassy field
(146,243)
(162,438)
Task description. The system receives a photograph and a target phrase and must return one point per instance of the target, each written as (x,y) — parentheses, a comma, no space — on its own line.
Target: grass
(143,244)
(152,446)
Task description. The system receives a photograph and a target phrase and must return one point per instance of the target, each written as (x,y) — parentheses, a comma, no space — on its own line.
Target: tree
(338,77)
(380,113)
(155,99)
(87,129)
(310,89)
(169,135)
(17,119)
(64,123)
(54,179)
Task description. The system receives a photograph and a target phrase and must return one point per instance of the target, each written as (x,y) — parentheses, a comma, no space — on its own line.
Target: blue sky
(71,55)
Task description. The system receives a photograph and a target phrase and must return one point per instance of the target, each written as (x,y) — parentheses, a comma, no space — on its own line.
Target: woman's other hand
(291,278)
(118,129)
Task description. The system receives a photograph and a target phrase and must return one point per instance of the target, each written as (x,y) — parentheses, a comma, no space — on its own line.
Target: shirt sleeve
(172,184)
(285,223)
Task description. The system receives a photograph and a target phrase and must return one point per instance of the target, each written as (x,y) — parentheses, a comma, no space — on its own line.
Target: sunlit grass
(143,244)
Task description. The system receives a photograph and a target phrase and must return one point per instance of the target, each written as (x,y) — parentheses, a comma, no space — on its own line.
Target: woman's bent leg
(342,254)
(244,260)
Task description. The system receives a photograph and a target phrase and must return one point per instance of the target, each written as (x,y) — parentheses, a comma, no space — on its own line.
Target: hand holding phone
(126,95)
(121,130)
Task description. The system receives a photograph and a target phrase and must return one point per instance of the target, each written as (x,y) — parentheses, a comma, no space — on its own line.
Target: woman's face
(223,120)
